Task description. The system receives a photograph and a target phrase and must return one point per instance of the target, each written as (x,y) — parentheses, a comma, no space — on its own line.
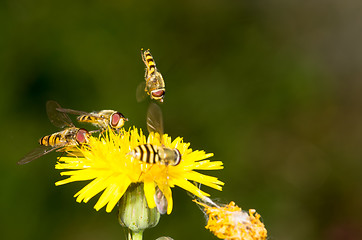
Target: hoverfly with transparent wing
(153,154)
(154,85)
(71,136)
(101,119)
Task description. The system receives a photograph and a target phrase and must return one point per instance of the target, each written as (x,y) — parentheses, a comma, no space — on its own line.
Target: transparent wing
(58,119)
(71,111)
(140,92)
(36,153)
(161,201)
(154,119)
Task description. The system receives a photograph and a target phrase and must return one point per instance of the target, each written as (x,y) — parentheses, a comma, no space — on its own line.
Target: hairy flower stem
(134,213)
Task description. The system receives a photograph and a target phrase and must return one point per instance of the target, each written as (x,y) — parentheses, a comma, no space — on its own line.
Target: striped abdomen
(51,140)
(150,63)
(87,118)
(147,153)
(151,154)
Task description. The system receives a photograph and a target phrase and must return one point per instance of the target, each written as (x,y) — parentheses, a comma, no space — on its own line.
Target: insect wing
(140,92)
(154,119)
(58,119)
(71,111)
(161,201)
(36,153)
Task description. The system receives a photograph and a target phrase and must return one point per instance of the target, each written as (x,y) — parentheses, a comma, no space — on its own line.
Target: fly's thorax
(69,135)
(156,87)
(111,118)
(169,156)
(75,136)
(155,81)
(105,113)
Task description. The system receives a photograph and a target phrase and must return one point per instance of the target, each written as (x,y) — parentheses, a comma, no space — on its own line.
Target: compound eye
(82,136)
(115,118)
(158,94)
(178,157)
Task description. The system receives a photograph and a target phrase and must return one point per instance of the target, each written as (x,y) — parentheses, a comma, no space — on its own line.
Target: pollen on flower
(230,222)
(108,163)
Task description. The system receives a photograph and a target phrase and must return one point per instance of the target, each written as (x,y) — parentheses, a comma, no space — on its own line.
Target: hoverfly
(101,119)
(152,154)
(70,136)
(154,84)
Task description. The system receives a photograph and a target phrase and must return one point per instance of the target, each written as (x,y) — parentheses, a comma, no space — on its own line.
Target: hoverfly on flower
(154,85)
(157,154)
(154,154)
(70,136)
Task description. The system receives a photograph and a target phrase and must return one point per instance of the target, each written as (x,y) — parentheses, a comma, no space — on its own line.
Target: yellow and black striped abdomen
(87,118)
(51,140)
(147,153)
(150,63)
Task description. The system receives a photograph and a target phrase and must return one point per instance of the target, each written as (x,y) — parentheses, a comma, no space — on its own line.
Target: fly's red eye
(115,119)
(82,136)
(158,93)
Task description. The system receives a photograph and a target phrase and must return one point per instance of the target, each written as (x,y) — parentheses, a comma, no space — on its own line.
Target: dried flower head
(230,222)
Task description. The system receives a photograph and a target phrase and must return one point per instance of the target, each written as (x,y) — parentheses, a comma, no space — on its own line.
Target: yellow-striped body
(68,137)
(60,141)
(104,119)
(150,63)
(88,119)
(55,139)
(155,85)
(153,154)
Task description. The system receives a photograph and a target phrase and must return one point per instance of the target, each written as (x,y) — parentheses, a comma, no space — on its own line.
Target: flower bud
(133,210)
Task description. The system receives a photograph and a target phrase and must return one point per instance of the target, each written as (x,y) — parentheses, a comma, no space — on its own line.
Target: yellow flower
(106,160)
(230,222)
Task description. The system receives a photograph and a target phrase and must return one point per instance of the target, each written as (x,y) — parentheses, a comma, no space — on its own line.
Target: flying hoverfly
(153,154)
(69,137)
(154,85)
(101,119)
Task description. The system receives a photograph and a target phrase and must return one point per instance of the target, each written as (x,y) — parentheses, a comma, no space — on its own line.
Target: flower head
(107,161)
(230,222)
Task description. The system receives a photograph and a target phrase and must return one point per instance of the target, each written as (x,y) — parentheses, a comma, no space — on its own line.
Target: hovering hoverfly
(102,119)
(154,84)
(69,137)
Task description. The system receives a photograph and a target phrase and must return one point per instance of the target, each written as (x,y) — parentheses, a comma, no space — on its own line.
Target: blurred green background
(272,88)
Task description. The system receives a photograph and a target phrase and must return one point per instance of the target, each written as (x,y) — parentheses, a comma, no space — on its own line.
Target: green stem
(135,235)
